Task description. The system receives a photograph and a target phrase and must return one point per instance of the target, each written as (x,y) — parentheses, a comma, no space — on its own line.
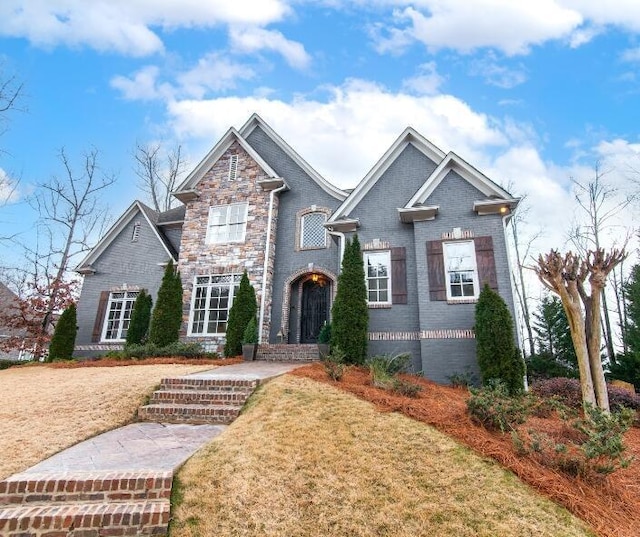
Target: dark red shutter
(102,309)
(398,275)
(486,262)
(435,265)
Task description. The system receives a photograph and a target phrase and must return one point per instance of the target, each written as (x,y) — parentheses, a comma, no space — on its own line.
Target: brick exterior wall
(197,258)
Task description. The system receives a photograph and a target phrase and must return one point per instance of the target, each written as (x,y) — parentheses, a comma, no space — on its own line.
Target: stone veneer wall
(197,258)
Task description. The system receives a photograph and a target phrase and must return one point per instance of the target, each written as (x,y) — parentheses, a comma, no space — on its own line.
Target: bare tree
(600,203)
(158,172)
(71,213)
(566,276)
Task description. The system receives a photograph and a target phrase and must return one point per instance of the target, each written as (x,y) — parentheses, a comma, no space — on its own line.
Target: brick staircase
(90,504)
(288,353)
(197,400)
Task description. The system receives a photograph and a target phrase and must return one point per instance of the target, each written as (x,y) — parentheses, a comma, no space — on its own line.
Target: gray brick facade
(414,196)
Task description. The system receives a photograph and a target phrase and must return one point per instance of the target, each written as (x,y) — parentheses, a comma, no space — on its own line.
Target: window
(313,233)
(460,270)
(377,267)
(233,167)
(119,310)
(212,299)
(227,223)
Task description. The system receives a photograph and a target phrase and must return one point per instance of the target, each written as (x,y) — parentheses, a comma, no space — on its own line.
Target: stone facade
(198,258)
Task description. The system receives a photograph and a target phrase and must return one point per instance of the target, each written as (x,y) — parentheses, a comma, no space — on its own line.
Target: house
(431,226)
(12,342)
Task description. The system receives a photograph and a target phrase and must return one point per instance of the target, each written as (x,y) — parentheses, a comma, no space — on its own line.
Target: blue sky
(531,93)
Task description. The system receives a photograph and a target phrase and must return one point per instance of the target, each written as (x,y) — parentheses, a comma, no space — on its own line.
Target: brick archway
(298,278)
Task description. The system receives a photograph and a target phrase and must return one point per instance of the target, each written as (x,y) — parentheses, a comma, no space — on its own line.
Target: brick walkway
(119,483)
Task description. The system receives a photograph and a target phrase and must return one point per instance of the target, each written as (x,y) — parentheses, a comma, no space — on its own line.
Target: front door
(315,309)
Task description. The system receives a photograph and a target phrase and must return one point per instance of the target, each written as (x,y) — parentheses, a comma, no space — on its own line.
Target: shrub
(140,318)
(244,308)
(350,312)
(498,356)
(64,336)
(464,379)
(493,407)
(151,350)
(167,315)
(569,392)
(324,336)
(334,363)
(6,364)
(408,389)
(250,336)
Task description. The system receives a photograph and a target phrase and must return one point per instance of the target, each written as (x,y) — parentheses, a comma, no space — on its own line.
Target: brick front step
(86,487)
(202,397)
(192,413)
(211,384)
(149,518)
(288,353)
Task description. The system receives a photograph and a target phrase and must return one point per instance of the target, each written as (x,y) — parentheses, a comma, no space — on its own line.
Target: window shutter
(398,275)
(102,309)
(486,262)
(435,266)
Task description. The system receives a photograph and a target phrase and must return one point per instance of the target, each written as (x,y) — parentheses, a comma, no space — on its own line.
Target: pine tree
(243,309)
(627,366)
(498,356)
(140,318)
(64,336)
(350,314)
(167,315)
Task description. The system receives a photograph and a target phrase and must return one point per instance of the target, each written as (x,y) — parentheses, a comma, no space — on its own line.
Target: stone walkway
(117,483)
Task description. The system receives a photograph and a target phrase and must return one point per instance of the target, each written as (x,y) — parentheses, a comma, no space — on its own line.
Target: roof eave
(418,214)
(344,225)
(185,196)
(495,206)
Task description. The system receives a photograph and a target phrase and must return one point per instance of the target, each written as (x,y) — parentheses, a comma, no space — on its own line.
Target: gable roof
(256,121)
(470,174)
(212,157)
(136,207)
(409,136)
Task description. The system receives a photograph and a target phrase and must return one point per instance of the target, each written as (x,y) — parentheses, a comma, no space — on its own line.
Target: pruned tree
(64,336)
(243,310)
(566,276)
(140,319)
(600,203)
(166,318)
(71,214)
(158,172)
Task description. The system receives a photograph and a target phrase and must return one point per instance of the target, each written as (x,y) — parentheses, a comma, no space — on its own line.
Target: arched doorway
(315,307)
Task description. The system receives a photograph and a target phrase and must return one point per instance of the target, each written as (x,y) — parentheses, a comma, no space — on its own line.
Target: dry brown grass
(44,410)
(306,459)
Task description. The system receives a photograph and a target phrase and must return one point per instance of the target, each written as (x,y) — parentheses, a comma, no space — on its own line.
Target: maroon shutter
(486,262)
(102,309)
(398,275)
(435,265)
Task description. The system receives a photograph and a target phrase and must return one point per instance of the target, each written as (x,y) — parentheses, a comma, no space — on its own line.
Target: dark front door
(315,309)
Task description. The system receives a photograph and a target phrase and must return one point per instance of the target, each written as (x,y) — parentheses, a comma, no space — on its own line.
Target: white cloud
(142,85)
(125,26)
(214,72)
(251,39)
(426,82)
(512,27)
(496,74)
(631,55)
(9,192)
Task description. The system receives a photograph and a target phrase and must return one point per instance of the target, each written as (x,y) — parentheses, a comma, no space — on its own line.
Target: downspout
(267,252)
(505,219)
(341,240)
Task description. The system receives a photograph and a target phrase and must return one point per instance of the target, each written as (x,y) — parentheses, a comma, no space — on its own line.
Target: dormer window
(233,167)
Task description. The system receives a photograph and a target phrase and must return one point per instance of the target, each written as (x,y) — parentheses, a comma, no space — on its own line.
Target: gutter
(267,252)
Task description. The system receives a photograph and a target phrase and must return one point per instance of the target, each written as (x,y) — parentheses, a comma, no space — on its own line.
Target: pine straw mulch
(610,505)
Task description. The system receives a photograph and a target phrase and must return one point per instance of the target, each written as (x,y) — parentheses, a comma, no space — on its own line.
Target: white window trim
(208,239)
(302,219)
(190,332)
(366,277)
(476,285)
(103,336)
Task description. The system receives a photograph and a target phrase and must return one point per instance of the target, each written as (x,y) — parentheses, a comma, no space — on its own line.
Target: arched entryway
(306,304)
(314,307)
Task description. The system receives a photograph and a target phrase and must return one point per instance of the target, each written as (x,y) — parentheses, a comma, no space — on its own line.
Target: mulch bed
(109,362)
(610,505)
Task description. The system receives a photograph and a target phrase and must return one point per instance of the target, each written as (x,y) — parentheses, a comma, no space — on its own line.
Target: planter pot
(249,351)
(323,350)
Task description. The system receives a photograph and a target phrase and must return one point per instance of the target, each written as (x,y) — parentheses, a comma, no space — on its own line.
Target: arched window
(312,231)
